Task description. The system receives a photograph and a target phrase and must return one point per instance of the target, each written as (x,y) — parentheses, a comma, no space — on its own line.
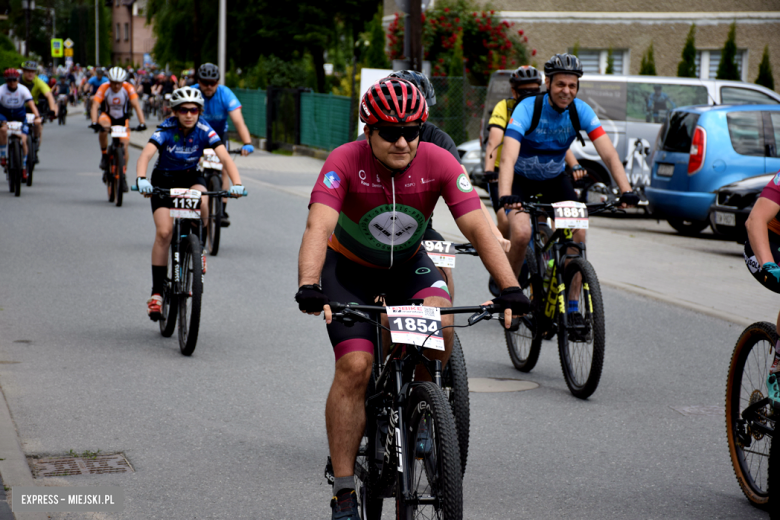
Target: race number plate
(15,128)
(440,253)
(168,96)
(30,118)
(570,215)
(118,131)
(415,325)
(210,160)
(186,203)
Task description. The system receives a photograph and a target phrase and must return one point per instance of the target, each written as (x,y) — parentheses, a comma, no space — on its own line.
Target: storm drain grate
(700,411)
(73,466)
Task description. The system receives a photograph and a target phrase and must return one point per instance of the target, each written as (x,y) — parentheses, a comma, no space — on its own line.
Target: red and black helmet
(393,100)
(11,73)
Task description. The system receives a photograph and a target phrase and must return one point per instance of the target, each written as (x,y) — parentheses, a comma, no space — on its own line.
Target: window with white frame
(594,61)
(711,60)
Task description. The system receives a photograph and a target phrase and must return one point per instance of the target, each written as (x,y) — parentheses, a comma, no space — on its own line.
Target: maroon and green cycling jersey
(383,218)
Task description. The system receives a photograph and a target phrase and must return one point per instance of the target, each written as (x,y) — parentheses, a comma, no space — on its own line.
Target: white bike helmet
(186,95)
(117,74)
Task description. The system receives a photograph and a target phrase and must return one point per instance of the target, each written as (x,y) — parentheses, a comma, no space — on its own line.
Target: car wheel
(688,228)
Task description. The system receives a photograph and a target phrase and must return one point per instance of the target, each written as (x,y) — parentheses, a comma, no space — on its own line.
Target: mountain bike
(455,379)
(751,416)
(212,171)
(14,168)
(552,276)
(114,176)
(184,284)
(62,109)
(409,450)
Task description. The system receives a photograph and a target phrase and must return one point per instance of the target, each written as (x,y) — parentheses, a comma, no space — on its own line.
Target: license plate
(725,219)
(665,170)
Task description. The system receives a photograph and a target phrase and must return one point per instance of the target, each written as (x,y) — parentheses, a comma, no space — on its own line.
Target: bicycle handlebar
(162,192)
(338,307)
(593,207)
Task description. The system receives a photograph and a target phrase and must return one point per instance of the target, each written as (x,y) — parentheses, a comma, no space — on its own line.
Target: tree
(687,67)
(727,68)
(454,103)
(576,49)
(647,67)
(765,77)
(610,62)
(375,54)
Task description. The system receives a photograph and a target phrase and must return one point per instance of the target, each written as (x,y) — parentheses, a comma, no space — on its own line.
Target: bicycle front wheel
(190,298)
(749,448)
(15,162)
(119,173)
(432,459)
(215,216)
(455,383)
(367,466)
(773,484)
(525,344)
(582,350)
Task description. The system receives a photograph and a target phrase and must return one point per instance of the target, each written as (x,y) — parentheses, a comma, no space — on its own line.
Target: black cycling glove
(141,127)
(310,298)
(513,298)
(509,199)
(491,176)
(95,126)
(629,198)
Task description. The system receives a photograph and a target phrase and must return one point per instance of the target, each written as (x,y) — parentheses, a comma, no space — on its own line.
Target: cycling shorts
(751,261)
(349,282)
(124,121)
(15,115)
(173,179)
(557,189)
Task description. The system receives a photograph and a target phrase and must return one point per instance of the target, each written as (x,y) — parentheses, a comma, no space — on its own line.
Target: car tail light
(698,149)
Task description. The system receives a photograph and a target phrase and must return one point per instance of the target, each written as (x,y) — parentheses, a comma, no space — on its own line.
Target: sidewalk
(704,275)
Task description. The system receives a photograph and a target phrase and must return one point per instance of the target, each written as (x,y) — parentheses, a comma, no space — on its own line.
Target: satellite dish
(404,6)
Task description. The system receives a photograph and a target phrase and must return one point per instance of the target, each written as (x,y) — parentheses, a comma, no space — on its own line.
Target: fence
(297,116)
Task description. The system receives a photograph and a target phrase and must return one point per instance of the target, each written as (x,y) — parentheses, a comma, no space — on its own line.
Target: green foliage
(610,62)
(647,66)
(576,49)
(765,77)
(8,55)
(488,44)
(727,68)
(375,56)
(687,67)
(274,71)
(454,103)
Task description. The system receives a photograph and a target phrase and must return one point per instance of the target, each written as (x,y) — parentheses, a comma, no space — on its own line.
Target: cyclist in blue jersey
(533,158)
(98,79)
(180,140)
(221,103)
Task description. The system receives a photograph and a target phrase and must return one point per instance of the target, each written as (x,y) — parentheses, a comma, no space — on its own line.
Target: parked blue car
(702,148)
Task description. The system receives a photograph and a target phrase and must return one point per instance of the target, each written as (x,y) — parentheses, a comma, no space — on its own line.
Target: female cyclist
(180,140)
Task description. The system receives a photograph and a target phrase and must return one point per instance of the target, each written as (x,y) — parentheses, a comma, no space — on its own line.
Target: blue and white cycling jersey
(217,108)
(179,152)
(12,103)
(542,152)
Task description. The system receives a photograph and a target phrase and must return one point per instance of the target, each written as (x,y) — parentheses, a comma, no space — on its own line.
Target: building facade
(628,28)
(132,36)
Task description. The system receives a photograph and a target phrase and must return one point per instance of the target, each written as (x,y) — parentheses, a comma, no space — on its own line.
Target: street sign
(68,53)
(68,43)
(56,48)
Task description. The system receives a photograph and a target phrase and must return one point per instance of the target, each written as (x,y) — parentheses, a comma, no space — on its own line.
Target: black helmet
(30,65)
(525,74)
(208,71)
(563,63)
(422,83)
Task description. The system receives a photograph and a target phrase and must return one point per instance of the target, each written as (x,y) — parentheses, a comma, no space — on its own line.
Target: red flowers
(533,52)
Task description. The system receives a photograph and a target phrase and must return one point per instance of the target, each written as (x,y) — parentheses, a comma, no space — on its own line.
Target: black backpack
(539,104)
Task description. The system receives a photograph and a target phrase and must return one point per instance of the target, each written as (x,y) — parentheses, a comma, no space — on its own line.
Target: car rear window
(746,132)
(679,131)
(744,96)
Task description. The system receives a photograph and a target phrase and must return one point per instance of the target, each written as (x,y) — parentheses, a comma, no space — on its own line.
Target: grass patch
(280,151)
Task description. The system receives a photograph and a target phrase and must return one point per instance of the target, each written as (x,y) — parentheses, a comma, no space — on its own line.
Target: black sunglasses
(185,110)
(208,83)
(392,134)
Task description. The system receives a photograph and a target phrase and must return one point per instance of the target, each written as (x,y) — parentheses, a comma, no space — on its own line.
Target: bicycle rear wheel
(118,173)
(582,351)
(432,459)
(455,383)
(111,184)
(215,216)
(170,306)
(525,344)
(746,385)
(192,291)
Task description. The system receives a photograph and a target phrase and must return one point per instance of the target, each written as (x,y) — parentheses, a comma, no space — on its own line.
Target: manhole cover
(72,466)
(497,384)
(701,411)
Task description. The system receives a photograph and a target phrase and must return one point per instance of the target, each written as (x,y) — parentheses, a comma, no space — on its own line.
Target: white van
(632,109)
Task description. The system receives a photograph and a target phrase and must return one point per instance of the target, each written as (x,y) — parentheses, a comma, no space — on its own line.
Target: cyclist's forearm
(763,212)
(33,108)
(610,157)
(140,113)
(143,161)
(494,141)
(52,103)
(314,245)
(238,121)
(477,231)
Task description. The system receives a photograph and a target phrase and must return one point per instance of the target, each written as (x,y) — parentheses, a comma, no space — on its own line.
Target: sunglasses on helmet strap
(392,134)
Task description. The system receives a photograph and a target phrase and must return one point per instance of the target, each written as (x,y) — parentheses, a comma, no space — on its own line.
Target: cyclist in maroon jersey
(368,211)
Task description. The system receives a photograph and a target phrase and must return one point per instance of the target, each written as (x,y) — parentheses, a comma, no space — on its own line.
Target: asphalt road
(237,430)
